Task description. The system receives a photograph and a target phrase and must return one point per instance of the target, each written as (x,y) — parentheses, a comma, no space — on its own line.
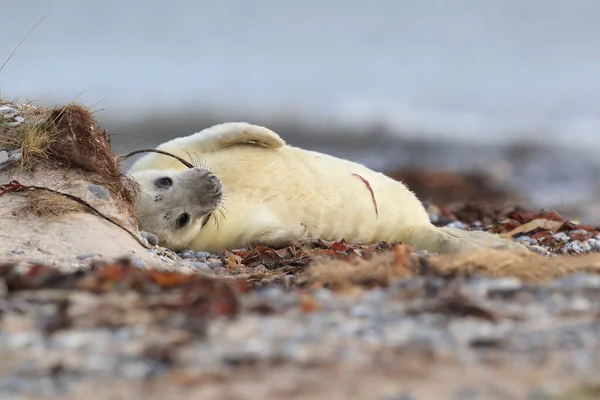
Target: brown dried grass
(401,263)
(69,137)
(33,140)
(81,143)
(45,204)
(380,270)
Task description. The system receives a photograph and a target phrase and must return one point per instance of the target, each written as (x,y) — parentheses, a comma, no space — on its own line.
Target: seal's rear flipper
(452,240)
(228,134)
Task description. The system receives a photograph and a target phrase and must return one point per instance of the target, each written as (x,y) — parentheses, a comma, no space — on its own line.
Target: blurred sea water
(365,80)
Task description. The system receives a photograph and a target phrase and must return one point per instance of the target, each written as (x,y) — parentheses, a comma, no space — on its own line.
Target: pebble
(528,240)
(497,286)
(540,250)
(202,255)
(151,238)
(7,112)
(138,262)
(17,252)
(200,266)
(10,116)
(187,253)
(576,246)
(99,191)
(14,157)
(561,237)
(85,256)
(595,244)
(215,264)
(3,156)
(457,224)
(578,232)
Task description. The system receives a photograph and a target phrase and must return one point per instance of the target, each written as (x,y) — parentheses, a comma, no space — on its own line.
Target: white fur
(277,194)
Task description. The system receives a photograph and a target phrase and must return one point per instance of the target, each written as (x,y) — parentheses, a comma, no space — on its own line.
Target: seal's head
(175,205)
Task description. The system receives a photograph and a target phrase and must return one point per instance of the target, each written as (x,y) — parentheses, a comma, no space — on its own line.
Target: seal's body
(276,194)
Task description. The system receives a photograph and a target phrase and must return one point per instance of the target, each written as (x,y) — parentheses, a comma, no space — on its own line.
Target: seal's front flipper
(278,237)
(452,240)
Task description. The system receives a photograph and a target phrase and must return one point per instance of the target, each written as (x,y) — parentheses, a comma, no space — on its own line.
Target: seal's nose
(215,182)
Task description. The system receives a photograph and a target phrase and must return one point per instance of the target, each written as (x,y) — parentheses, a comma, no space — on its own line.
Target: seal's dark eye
(164,182)
(182,220)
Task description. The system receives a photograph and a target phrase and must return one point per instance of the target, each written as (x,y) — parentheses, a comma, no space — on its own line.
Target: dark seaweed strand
(20,187)
(181,160)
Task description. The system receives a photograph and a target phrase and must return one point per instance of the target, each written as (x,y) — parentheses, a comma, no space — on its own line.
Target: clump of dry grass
(44,204)
(401,263)
(32,139)
(529,267)
(68,137)
(380,270)
(81,143)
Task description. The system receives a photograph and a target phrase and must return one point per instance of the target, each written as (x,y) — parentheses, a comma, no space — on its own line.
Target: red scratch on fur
(366,182)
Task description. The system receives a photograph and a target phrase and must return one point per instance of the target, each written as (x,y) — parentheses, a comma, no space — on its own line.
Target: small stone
(187,253)
(14,157)
(503,285)
(202,255)
(3,156)
(151,238)
(200,266)
(138,262)
(434,218)
(578,232)
(528,240)
(457,224)
(7,112)
(81,257)
(539,250)
(145,242)
(595,244)
(576,246)
(99,191)
(585,246)
(16,121)
(17,252)
(215,264)
(561,237)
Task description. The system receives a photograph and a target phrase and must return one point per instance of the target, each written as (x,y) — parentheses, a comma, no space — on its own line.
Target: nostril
(212,178)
